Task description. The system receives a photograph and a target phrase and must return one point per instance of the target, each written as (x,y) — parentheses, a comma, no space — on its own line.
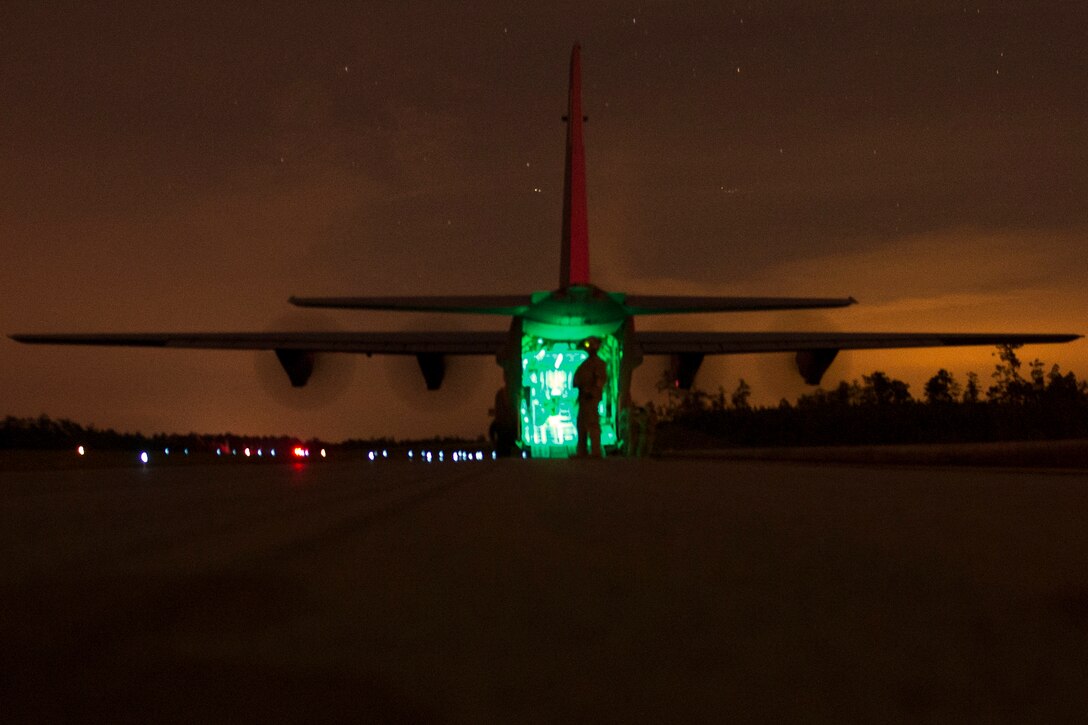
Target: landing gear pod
(812,364)
(433,367)
(298,364)
(682,369)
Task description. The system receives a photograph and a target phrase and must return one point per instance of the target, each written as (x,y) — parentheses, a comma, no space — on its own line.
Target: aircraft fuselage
(574,313)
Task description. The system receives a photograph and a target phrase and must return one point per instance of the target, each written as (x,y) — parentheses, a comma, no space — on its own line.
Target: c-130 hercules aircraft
(545,342)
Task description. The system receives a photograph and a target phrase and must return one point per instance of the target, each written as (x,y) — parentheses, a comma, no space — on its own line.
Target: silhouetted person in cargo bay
(590,379)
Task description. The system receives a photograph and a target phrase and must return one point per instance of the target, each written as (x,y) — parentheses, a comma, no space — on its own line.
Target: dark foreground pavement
(619,591)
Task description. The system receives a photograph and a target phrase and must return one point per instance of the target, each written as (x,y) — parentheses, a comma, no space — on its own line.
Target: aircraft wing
(815,351)
(731,343)
(379,343)
(667,304)
(509,305)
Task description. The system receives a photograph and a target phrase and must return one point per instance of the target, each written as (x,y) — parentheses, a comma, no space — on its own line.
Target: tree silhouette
(1064,388)
(972,393)
(879,389)
(739,398)
(1009,386)
(942,388)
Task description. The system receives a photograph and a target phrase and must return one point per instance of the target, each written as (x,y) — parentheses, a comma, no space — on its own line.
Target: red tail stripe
(575,257)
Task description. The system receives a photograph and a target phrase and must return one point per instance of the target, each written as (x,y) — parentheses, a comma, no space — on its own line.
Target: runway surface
(537,591)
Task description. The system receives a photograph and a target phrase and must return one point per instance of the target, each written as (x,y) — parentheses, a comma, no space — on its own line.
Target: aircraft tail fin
(574,260)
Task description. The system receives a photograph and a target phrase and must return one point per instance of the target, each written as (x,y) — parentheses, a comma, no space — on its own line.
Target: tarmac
(544,591)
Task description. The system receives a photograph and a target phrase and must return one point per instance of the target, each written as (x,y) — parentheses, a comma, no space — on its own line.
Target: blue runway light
(143,457)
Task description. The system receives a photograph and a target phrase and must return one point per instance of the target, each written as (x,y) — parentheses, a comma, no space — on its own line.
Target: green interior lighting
(549,402)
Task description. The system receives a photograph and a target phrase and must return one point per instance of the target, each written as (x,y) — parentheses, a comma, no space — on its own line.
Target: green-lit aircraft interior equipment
(549,402)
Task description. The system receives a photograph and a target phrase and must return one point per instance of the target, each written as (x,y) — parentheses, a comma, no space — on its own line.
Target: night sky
(178,167)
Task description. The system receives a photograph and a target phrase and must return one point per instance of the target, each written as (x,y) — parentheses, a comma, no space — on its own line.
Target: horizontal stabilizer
(508,305)
(736,343)
(667,304)
(370,343)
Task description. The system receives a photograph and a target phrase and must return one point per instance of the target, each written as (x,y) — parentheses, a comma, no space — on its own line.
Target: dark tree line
(1047,404)
(45,433)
